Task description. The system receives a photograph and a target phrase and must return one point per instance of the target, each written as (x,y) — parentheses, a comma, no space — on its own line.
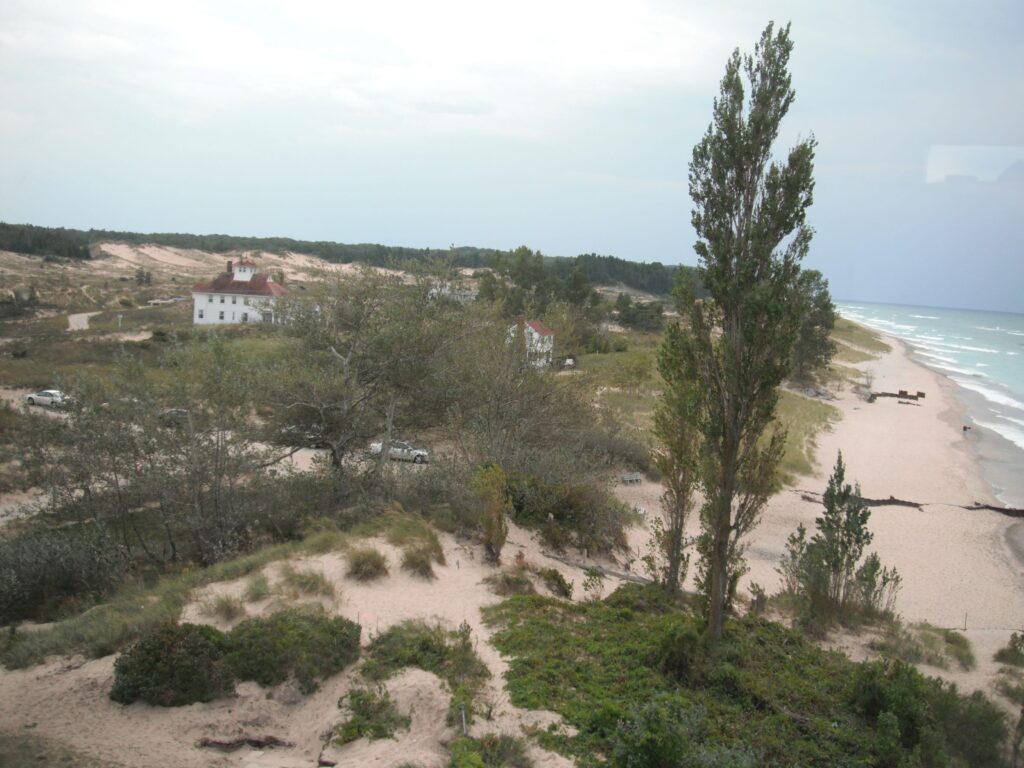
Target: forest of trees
(653,278)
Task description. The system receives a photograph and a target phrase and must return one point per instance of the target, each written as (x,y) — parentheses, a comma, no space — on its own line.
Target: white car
(51,397)
(400,451)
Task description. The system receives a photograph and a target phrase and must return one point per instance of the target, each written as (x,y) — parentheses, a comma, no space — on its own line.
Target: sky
(564,125)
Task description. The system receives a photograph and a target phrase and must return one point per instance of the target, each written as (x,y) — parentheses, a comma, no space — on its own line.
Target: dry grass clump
(257,589)
(305,582)
(224,607)
(418,562)
(366,564)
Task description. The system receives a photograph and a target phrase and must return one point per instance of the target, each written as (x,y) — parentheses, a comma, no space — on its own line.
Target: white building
(240,295)
(537,338)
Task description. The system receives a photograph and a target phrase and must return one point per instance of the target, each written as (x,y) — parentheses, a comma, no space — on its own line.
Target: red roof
(258,285)
(540,328)
(246,262)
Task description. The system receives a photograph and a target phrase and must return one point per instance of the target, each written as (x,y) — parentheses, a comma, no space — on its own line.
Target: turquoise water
(981,352)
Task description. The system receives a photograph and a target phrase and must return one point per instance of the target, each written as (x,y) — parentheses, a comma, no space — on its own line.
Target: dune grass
(366,564)
(849,332)
(924,643)
(803,418)
(305,582)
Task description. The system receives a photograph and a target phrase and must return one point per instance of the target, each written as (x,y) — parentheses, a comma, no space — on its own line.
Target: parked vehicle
(402,451)
(51,397)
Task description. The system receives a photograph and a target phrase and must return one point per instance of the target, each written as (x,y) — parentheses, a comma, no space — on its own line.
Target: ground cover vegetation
(174,665)
(639,685)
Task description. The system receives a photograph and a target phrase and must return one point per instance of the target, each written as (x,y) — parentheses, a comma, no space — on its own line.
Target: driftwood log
(892,501)
(256,742)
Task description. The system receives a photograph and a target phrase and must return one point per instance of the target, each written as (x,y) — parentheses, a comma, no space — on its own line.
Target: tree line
(653,277)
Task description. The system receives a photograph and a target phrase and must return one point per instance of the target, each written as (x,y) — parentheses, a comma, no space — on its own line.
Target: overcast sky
(565,126)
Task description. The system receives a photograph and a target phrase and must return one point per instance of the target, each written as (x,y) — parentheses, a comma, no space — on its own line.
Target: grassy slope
(768,690)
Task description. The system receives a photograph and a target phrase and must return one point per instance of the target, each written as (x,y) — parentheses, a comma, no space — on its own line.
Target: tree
(814,347)
(749,215)
(677,459)
(826,571)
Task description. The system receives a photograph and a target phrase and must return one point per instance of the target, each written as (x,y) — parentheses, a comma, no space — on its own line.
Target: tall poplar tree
(749,215)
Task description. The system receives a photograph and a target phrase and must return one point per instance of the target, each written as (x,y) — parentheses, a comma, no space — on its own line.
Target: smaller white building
(239,295)
(537,339)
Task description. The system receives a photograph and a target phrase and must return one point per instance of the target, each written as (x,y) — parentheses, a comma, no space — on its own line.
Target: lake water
(983,354)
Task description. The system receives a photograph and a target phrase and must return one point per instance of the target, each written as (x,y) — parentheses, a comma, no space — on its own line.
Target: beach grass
(855,335)
(803,418)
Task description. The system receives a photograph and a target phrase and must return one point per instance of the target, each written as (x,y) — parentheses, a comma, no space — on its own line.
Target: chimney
(230,267)
(520,323)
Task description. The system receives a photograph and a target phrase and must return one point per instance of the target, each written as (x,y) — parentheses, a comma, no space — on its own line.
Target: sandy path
(80,321)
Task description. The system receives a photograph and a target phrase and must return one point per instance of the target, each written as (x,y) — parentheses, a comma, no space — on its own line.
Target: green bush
(669,731)
(448,654)
(507,583)
(581,516)
(366,564)
(172,666)
(556,582)
(311,646)
(1013,653)
(489,751)
(929,717)
(372,714)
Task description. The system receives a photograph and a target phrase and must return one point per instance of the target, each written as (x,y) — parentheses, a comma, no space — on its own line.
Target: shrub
(507,583)
(373,715)
(306,582)
(448,654)
(43,569)
(556,582)
(172,666)
(928,716)
(489,751)
(418,562)
(490,485)
(566,515)
(1013,653)
(366,564)
(668,731)
(309,645)
(830,573)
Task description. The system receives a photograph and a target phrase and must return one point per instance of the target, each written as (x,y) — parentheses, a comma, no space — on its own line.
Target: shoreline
(953,561)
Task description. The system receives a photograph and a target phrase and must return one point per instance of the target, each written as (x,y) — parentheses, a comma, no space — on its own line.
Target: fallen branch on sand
(605,571)
(892,501)
(256,742)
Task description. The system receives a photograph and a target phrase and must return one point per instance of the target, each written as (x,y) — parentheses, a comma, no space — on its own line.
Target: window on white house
(221,316)
(234,299)
(221,299)
(200,314)
(210,298)
(245,317)
(246,302)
